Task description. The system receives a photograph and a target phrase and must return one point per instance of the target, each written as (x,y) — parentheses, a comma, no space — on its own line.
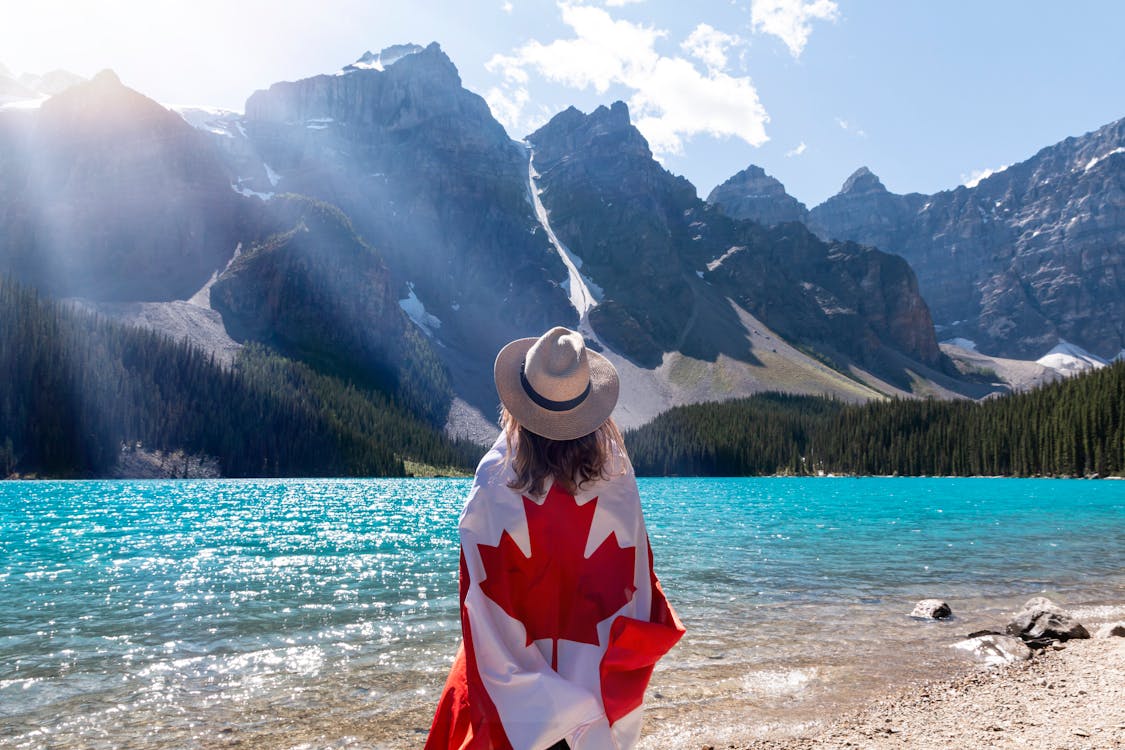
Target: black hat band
(547,403)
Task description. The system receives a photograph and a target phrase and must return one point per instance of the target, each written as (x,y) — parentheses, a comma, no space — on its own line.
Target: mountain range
(1015,264)
(380,225)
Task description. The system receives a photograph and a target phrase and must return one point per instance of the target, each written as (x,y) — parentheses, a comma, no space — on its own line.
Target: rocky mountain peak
(411,60)
(863,180)
(1019,260)
(752,194)
(616,116)
(106,78)
(52,82)
(141,206)
(103,106)
(399,86)
(606,131)
(385,58)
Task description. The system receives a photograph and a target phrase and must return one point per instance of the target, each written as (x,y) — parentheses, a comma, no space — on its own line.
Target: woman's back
(562,616)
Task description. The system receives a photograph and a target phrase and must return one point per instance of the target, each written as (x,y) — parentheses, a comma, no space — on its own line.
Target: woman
(561,615)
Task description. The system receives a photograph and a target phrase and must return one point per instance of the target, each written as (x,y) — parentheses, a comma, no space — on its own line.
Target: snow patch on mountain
(214,120)
(11,103)
(1070,359)
(1094,162)
(584,294)
(416,311)
(271,175)
(380,61)
(238,188)
(977,176)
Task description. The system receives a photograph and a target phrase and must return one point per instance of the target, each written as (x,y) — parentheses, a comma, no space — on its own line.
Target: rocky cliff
(105,194)
(752,194)
(1026,258)
(429,177)
(314,290)
(669,264)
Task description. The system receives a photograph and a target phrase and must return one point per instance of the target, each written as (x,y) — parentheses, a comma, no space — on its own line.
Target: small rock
(1041,618)
(1111,630)
(994,650)
(932,609)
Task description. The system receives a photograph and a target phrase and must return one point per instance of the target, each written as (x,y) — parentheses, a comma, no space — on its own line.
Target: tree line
(78,388)
(1071,428)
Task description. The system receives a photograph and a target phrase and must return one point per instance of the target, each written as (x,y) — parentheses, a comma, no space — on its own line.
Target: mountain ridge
(1017,262)
(475,239)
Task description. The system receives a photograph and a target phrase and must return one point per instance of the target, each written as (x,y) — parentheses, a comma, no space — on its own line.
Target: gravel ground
(1068,699)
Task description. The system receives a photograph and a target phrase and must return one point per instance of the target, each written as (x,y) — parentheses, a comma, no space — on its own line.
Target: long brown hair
(573,463)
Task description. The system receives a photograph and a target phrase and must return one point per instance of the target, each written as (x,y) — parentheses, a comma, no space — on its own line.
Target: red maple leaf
(558,592)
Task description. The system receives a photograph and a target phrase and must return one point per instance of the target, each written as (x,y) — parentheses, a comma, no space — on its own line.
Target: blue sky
(926,94)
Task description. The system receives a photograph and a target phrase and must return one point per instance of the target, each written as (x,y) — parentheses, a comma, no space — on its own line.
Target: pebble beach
(1072,698)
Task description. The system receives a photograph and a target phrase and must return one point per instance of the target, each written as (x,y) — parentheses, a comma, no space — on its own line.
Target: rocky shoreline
(1048,684)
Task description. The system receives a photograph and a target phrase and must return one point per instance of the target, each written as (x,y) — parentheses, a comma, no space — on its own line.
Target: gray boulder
(1110,630)
(995,650)
(932,609)
(1041,619)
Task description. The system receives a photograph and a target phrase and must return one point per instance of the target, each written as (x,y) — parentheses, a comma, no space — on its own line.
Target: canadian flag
(562,617)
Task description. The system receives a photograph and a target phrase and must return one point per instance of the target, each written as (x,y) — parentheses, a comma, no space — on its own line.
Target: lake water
(323,613)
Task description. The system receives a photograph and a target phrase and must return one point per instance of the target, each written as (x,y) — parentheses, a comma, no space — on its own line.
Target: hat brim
(555,425)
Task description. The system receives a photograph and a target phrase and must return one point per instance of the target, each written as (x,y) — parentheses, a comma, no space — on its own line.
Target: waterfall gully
(584,294)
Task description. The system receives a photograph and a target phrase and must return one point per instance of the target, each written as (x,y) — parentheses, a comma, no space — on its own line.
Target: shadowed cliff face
(315,291)
(105,194)
(1030,255)
(427,176)
(668,263)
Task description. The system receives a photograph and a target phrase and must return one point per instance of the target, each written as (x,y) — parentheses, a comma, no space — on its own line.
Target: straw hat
(554,386)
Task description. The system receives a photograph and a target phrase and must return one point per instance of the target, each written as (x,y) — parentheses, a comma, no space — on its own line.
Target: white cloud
(671,99)
(974,178)
(620,3)
(845,125)
(791,20)
(506,7)
(798,150)
(709,46)
(507,104)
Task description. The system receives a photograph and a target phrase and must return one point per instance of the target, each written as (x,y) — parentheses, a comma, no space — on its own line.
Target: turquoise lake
(284,613)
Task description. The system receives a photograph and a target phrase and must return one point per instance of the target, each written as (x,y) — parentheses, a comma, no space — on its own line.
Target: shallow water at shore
(278,613)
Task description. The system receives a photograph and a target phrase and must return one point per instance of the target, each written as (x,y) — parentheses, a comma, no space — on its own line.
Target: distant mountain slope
(428,238)
(79,391)
(429,177)
(1029,256)
(467,227)
(317,292)
(29,88)
(669,265)
(107,195)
